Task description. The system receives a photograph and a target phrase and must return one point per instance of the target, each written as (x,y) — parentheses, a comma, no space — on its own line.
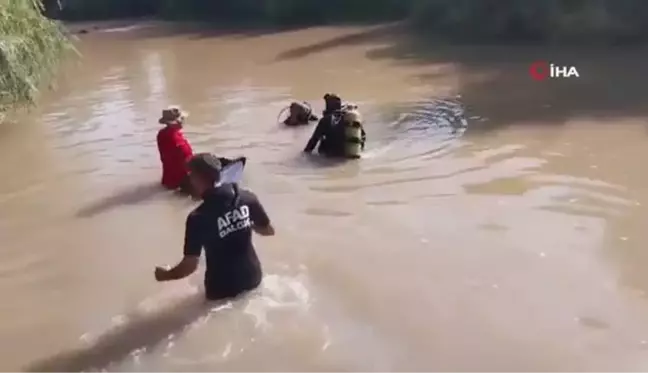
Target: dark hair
(207,166)
(332,103)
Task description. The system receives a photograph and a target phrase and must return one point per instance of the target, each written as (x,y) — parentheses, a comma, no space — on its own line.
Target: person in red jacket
(175,150)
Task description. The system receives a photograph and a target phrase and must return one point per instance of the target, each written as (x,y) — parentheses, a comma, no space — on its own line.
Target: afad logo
(542,70)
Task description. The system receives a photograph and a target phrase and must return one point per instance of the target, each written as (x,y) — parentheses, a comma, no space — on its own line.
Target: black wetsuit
(331,138)
(222,225)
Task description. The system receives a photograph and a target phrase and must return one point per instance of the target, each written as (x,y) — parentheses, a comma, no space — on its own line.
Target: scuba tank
(352,121)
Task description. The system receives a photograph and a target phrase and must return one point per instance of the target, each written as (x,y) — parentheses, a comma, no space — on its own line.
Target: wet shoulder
(198,213)
(247,197)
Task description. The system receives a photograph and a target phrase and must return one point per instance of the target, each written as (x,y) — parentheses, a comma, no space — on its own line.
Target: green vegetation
(599,21)
(497,20)
(30,48)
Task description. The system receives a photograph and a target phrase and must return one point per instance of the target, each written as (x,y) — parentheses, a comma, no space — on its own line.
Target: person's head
(173,116)
(299,112)
(204,172)
(332,103)
(296,111)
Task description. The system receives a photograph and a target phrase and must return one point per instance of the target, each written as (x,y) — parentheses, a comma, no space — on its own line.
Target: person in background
(336,129)
(222,225)
(300,115)
(323,133)
(174,149)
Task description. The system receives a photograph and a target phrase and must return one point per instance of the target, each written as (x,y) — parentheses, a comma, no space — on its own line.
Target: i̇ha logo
(541,70)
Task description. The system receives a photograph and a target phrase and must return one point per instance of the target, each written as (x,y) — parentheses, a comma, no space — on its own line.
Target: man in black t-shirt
(223,226)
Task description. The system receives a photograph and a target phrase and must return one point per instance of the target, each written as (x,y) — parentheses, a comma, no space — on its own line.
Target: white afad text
(234,220)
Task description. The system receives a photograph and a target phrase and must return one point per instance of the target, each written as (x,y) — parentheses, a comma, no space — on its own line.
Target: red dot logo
(539,70)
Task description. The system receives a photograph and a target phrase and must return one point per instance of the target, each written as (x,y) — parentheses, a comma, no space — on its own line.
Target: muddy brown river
(495,223)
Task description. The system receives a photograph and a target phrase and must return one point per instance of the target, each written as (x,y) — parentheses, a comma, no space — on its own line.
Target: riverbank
(168,27)
(84,27)
(559,21)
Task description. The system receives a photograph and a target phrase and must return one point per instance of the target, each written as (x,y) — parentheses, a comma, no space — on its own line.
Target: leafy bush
(30,48)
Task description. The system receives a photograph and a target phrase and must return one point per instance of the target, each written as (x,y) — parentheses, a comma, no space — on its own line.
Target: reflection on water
(520,248)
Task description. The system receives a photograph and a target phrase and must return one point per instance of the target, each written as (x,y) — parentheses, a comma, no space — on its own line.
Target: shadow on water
(353,38)
(141,331)
(128,196)
(494,81)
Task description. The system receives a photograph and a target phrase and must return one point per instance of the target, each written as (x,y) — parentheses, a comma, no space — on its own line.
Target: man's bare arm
(186,267)
(267,230)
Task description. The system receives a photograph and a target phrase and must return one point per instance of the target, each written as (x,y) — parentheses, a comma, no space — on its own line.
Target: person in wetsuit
(330,133)
(222,225)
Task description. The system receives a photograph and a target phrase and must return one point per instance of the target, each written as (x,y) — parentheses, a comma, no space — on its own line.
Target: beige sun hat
(173,113)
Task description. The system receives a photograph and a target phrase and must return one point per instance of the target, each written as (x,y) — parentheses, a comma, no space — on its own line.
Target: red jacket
(175,151)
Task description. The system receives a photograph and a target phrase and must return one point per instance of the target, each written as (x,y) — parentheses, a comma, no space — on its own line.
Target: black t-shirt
(222,225)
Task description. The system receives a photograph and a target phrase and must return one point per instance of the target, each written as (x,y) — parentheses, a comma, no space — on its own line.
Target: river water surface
(515,244)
